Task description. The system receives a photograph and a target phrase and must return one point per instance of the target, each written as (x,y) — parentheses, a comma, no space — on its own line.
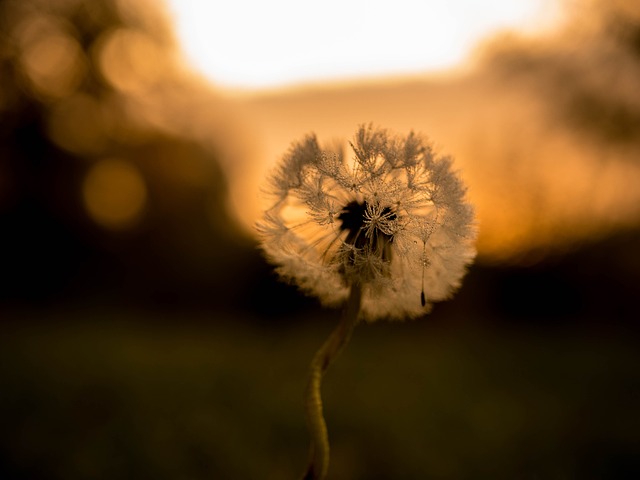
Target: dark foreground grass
(100,396)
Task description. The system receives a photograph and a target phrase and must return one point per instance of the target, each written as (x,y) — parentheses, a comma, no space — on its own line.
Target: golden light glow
(252,44)
(534,187)
(114,194)
(130,60)
(52,59)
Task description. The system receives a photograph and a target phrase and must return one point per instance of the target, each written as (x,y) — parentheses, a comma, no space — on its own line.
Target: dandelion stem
(319,449)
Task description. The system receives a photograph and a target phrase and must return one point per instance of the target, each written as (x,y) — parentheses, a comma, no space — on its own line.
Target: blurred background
(142,335)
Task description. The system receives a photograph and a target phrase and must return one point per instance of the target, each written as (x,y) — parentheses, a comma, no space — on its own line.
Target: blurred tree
(588,72)
(111,184)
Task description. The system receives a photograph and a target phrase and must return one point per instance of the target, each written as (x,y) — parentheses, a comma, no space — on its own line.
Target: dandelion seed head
(392,219)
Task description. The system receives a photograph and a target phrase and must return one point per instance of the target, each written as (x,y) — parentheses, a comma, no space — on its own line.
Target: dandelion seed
(392,219)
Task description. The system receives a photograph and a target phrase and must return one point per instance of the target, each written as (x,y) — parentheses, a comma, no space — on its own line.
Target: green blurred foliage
(122,397)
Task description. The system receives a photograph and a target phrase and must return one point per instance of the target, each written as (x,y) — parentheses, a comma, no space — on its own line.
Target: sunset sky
(250,44)
(537,103)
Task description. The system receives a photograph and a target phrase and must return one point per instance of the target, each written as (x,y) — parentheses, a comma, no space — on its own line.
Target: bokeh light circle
(114,194)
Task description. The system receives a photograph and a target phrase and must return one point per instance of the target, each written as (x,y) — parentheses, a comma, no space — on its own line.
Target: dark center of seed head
(352,220)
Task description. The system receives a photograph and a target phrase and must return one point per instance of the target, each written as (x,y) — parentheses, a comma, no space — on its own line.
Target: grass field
(117,396)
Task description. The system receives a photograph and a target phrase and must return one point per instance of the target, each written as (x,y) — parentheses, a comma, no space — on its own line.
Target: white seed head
(392,219)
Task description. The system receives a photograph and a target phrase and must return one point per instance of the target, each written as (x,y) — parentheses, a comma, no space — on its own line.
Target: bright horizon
(252,44)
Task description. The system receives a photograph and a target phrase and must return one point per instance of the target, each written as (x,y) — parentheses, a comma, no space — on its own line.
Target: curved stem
(319,449)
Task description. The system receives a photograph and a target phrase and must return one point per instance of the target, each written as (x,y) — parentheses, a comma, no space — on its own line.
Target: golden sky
(524,121)
(542,118)
(539,113)
(253,44)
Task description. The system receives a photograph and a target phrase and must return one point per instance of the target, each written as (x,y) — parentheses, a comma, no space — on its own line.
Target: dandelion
(387,229)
